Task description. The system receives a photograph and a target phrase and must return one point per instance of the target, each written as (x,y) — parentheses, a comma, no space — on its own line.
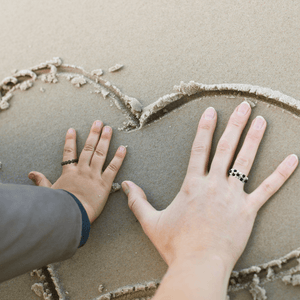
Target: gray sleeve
(38,226)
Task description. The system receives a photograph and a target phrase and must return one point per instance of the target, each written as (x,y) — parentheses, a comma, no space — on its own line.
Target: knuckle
(100,153)
(113,167)
(253,137)
(131,203)
(68,150)
(283,173)
(204,126)
(235,122)
(242,161)
(82,171)
(189,186)
(268,188)
(88,147)
(200,148)
(223,146)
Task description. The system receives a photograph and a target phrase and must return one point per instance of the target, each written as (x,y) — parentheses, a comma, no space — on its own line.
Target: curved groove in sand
(139,116)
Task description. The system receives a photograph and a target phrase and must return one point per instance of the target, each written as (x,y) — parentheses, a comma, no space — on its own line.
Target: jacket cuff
(86,225)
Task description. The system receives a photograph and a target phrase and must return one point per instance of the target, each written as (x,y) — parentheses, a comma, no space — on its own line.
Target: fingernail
(292,160)
(259,122)
(243,108)
(107,129)
(98,124)
(71,130)
(122,148)
(209,113)
(31,176)
(125,188)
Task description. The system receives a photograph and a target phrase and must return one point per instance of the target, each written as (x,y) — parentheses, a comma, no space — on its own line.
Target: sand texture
(117,245)
(176,61)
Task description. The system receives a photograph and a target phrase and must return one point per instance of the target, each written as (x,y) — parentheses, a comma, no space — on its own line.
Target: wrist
(216,259)
(88,209)
(205,274)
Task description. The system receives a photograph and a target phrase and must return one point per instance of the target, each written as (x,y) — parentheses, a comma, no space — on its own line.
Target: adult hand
(211,213)
(85,179)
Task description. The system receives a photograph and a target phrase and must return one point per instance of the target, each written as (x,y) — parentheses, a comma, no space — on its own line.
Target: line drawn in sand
(137,115)
(252,279)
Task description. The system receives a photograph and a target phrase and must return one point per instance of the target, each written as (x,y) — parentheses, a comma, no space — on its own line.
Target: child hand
(85,179)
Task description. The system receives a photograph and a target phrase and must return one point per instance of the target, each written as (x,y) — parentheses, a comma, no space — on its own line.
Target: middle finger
(90,144)
(230,139)
(101,150)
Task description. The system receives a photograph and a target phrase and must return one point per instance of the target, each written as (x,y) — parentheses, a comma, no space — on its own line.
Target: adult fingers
(112,169)
(202,143)
(100,153)
(230,139)
(246,156)
(70,149)
(90,144)
(137,202)
(272,184)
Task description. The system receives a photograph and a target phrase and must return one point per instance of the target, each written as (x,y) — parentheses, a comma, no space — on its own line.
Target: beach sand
(250,47)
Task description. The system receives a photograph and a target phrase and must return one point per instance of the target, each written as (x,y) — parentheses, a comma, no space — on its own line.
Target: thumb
(39,179)
(137,202)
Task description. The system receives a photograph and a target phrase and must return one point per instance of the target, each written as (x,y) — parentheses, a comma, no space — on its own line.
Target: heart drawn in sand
(137,117)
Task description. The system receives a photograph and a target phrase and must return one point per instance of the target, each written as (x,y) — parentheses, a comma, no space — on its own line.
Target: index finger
(202,143)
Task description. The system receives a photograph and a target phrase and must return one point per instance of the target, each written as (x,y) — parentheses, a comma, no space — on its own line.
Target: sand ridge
(137,115)
(252,279)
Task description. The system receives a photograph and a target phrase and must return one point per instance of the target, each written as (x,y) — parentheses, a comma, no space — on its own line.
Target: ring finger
(70,151)
(246,156)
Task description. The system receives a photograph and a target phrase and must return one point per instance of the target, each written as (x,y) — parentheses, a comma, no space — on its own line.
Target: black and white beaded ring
(239,175)
(68,162)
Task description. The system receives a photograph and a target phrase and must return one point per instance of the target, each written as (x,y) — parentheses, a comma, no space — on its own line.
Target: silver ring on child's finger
(239,175)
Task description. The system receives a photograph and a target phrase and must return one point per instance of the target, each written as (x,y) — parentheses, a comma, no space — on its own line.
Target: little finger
(272,184)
